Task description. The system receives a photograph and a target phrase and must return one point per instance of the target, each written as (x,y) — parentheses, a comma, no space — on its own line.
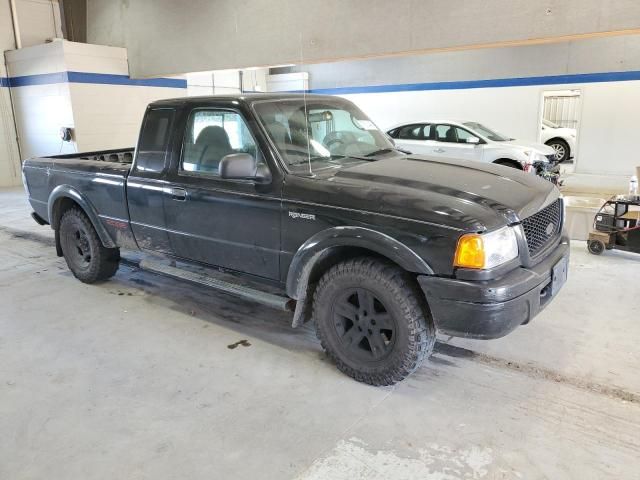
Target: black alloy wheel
(366,329)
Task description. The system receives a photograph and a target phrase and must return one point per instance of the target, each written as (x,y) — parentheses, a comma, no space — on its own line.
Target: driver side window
(463,135)
(211,135)
(446,133)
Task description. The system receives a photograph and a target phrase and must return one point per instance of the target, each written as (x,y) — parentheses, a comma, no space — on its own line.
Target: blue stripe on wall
(42,79)
(94,78)
(111,79)
(492,83)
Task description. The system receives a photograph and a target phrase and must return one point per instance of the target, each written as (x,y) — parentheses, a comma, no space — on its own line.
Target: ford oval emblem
(549,229)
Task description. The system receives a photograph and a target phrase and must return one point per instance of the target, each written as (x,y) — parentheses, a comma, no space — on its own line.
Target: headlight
(486,250)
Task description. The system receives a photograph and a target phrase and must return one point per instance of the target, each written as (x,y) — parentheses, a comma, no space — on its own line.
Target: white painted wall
(9,157)
(107,116)
(286,82)
(608,136)
(102,116)
(221,82)
(40,110)
(39,21)
(607,131)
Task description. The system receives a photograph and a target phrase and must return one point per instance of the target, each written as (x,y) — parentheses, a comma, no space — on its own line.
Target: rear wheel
(86,257)
(596,246)
(372,321)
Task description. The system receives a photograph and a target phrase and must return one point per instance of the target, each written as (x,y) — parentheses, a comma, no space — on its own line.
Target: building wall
(9,156)
(167,36)
(503,87)
(108,115)
(84,87)
(39,21)
(41,109)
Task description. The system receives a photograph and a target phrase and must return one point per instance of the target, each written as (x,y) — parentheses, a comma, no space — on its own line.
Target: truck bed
(99,175)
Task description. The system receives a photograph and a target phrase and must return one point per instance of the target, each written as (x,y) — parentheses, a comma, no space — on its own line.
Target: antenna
(306,114)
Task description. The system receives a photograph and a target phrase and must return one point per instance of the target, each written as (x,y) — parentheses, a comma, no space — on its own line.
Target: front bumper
(494,308)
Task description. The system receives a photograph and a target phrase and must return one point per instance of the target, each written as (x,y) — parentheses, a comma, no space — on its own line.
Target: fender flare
(347,236)
(67,191)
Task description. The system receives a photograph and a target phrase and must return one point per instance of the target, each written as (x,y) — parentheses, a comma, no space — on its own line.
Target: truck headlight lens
(486,250)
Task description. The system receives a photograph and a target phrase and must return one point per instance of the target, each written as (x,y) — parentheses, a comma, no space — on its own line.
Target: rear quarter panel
(101,184)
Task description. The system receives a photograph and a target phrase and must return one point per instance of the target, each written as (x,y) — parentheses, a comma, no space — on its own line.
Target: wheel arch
(508,162)
(331,246)
(64,197)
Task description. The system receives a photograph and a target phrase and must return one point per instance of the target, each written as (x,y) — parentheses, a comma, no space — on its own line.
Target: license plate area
(559,275)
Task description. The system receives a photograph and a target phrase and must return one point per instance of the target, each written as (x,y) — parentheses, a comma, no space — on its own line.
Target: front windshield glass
(487,132)
(317,134)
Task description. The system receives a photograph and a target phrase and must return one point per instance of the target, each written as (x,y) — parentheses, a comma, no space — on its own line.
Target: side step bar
(268,299)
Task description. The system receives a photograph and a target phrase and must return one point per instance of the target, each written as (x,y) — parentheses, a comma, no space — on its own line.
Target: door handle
(179,194)
(439,150)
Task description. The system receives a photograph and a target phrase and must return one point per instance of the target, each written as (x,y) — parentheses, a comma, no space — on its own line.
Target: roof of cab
(240,97)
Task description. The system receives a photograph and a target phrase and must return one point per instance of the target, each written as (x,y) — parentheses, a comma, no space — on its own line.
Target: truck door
(234,224)
(145,183)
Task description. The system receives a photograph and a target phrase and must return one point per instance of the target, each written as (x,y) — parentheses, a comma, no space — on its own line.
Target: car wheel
(596,246)
(561,148)
(372,320)
(86,257)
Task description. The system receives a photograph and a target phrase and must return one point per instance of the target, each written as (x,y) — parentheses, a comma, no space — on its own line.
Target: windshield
(487,132)
(327,133)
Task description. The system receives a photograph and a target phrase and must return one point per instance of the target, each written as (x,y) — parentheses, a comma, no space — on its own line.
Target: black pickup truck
(305,196)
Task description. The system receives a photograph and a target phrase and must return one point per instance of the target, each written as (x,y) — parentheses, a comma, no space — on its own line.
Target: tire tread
(410,300)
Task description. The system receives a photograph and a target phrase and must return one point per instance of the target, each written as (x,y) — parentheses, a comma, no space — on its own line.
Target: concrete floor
(134,379)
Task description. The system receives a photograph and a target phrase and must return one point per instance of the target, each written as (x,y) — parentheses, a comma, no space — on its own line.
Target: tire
(373,321)
(596,246)
(562,149)
(86,257)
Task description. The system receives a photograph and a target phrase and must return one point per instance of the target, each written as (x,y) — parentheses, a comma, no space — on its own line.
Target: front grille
(542,228)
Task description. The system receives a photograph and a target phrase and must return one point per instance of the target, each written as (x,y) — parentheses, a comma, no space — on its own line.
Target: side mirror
(242,166)
(473,140)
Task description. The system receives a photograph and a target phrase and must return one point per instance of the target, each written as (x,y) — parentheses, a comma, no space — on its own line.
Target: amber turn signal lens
(470,251)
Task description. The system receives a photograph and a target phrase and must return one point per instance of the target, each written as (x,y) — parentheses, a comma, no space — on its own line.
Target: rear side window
(154,138)
(411,132)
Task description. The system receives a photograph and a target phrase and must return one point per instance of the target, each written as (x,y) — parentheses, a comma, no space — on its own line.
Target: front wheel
(561,149)
(372,321)
(86,257)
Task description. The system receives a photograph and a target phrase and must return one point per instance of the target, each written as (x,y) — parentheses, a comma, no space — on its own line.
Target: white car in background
(470,141)
(562,140)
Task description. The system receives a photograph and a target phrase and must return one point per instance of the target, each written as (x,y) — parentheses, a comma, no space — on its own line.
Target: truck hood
(470,196)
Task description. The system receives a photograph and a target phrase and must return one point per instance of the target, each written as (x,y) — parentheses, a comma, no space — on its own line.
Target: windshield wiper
(384,150)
